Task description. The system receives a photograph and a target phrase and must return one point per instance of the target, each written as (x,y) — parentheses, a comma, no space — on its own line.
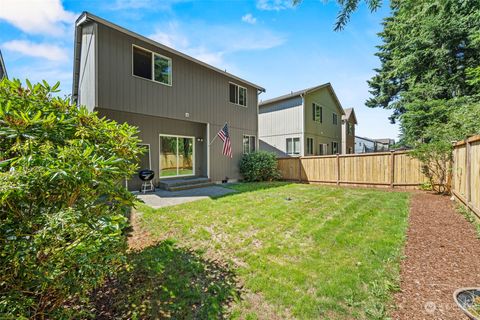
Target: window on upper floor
(152,66)
(316,113)
(350,128)
(249,144)
(335,118)
(238,94)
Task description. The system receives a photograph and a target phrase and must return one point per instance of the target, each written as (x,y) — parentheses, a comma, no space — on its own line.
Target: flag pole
(215,136)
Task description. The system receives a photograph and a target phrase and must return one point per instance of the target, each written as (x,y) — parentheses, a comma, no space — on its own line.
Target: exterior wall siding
(325,132)
(86,82)
(196,90)
(150,129)
(279,121)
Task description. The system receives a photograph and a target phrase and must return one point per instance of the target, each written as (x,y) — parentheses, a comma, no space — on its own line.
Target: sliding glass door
(177,156)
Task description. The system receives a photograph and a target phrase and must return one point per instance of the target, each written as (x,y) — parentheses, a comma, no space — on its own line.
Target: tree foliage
(429,64)
(62,200)
(347,7)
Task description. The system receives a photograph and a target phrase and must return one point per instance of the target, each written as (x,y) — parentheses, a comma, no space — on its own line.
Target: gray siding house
(303,123)
(177,102)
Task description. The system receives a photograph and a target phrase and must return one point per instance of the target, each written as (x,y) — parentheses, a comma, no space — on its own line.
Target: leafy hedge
(62,201)
(259,166)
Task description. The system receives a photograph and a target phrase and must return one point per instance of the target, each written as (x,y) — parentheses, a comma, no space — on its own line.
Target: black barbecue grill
(147,180)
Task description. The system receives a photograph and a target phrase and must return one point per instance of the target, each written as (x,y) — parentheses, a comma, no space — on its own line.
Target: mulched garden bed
(442,254)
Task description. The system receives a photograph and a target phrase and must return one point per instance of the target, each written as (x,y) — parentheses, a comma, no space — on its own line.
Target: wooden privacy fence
(388,169)
(466,173)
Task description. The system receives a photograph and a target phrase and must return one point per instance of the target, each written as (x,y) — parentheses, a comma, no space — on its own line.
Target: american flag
(227,144)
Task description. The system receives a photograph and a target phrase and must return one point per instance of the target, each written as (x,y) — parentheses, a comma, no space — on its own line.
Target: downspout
(302,138)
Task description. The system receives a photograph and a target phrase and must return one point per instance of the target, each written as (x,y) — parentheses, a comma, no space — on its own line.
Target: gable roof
(327,85)
(349,112)
(87,16)
(2,66)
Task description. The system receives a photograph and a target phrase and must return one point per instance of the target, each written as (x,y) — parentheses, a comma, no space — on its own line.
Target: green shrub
(259,166)
(62,201)
(436,158)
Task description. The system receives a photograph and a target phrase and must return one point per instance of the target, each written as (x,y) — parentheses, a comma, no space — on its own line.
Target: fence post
(338,169)
(299,169)
(392,169)
(468,179)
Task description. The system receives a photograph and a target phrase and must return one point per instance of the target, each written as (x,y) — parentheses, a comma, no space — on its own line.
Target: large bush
(62,200)
(259,166)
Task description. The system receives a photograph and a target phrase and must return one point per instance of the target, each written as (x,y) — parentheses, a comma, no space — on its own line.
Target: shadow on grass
(242,187)
(165,281)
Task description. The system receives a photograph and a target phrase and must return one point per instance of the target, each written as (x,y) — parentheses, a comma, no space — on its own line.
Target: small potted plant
(468,299)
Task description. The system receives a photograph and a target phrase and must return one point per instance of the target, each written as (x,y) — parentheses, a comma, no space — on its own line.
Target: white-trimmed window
(317,113)
(238,94)
(151,66)
(310,146)
(323,149)
(335,118)
(334,147)
(293,145)
(249,144)
(350,128)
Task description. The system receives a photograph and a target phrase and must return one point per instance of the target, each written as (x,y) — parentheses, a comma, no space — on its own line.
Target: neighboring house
(384,144)
(349,120)
(302,123)
(177,102)
(3,70)
(366,145)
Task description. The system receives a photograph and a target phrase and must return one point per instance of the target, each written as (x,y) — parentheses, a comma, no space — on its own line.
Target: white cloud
(152,5)
(274,5)
(39,50)
(37,16)
(196,40)
(249,18)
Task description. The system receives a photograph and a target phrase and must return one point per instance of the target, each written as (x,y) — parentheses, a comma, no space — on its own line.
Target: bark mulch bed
(442,254)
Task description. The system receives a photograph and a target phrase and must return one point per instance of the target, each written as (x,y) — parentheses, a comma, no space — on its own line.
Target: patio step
(185,184)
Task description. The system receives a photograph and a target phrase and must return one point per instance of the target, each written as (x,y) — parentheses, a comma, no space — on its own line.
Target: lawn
(293,251)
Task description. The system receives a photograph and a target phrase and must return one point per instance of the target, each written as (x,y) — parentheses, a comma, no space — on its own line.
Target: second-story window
(152,66)
(350,128)
(317,112)
(335,118)
(238,94)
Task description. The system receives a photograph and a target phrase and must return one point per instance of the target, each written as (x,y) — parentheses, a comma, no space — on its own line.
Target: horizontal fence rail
(466,173)
(382,169)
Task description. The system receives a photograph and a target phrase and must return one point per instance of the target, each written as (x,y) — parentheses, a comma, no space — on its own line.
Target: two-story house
(178,103)
(302,123)
(349,120)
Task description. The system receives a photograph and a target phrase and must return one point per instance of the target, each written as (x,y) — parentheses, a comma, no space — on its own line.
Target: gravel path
(441,255)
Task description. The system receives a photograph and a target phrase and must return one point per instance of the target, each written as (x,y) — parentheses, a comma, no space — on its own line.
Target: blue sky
(268,42)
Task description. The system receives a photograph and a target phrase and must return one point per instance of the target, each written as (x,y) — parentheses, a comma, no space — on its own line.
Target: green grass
(300,251)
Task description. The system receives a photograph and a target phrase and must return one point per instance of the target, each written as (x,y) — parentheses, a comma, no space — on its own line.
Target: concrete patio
(163,198)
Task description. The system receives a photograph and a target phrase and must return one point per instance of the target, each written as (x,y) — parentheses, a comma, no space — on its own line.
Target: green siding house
(303,123)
